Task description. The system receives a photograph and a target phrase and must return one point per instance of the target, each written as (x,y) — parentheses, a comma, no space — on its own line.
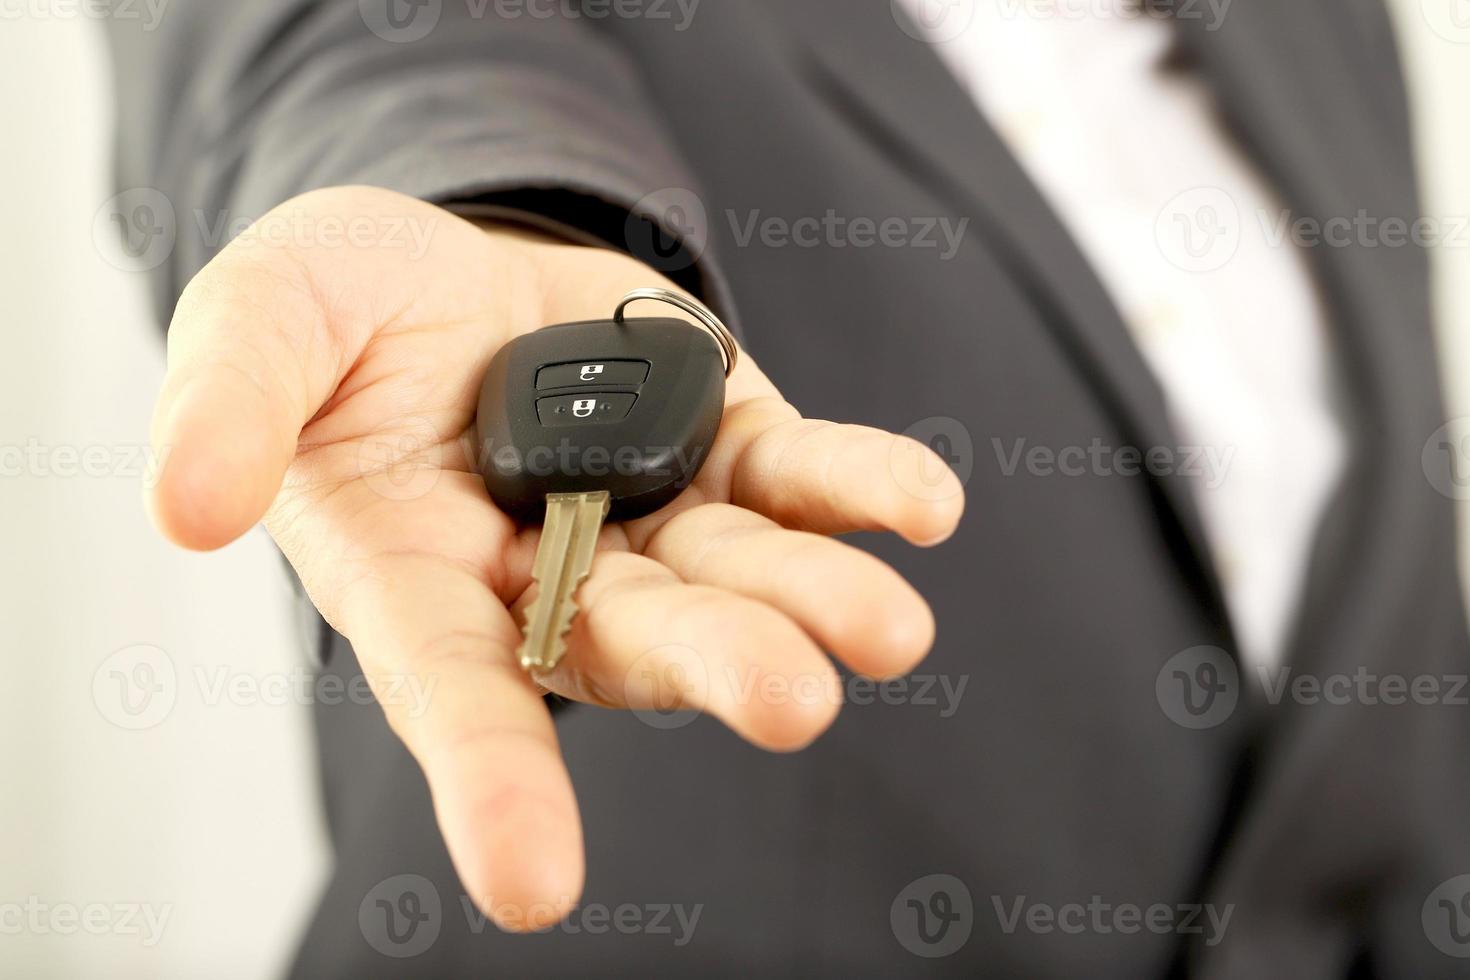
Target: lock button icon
(585,409)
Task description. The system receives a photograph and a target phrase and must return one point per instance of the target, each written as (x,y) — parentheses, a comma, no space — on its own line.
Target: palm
(388,461)
(334,392)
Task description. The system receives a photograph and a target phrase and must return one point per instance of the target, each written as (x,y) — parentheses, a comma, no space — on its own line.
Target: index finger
(482,733)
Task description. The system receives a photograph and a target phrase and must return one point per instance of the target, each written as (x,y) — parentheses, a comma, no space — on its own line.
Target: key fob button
(599,373)
(670,418)
(592,408)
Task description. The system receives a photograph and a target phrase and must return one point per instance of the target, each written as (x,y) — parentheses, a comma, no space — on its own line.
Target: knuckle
(694,523)
(600,616)
(571,679)
(478,650)
(711,612)
(767,410)
(342,197)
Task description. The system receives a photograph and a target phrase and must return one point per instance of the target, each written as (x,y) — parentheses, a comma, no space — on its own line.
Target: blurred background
(158,773)
(159,784)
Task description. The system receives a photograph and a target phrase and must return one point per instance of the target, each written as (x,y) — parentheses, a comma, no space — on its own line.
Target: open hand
(332,390)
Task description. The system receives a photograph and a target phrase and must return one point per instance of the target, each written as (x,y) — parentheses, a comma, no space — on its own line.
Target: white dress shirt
(1183,233)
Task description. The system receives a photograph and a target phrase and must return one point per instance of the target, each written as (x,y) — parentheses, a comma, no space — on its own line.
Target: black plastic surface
(643,459)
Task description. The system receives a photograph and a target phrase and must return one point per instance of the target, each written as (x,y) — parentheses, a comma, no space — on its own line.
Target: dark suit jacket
(1079,773)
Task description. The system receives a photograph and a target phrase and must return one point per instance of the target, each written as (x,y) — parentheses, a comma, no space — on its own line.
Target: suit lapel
(897,88)
(1312,91)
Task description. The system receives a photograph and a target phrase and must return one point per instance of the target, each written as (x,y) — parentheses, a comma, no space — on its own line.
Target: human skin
(331,390)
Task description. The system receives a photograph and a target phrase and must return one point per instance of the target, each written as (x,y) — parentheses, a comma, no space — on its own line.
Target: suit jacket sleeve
(228,109)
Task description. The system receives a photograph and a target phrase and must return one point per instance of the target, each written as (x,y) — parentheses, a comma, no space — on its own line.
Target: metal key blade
(563,559)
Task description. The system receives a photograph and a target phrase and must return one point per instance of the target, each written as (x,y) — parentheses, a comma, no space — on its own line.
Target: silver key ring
(694,308)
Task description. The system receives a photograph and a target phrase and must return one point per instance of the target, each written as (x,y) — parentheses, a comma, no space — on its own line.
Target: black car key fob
(629,406)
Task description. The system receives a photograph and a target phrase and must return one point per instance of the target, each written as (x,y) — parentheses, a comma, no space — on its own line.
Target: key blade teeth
(563,562)
(530,657)
(542,647)
(539,665)
(556,646)
(549,653)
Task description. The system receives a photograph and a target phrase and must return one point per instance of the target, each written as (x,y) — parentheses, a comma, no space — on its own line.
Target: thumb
(265,333)
(249,363)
